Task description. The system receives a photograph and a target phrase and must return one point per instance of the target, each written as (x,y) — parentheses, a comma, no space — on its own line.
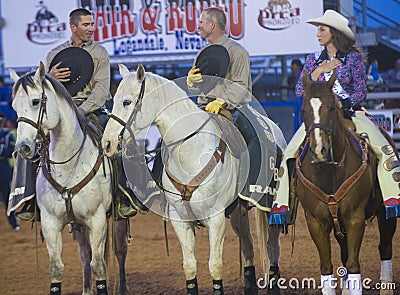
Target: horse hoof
(274,276)
(385,290)
(250,285)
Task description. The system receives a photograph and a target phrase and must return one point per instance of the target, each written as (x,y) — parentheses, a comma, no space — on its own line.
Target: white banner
(157,30)
(383,118)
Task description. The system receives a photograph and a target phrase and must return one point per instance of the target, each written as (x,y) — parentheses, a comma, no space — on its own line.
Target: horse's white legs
(85,252)
(51,229)
(216,238)
(185,233)
(97,234)
(216,227)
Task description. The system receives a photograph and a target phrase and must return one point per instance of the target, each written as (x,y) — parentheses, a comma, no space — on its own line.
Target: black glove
(347,108)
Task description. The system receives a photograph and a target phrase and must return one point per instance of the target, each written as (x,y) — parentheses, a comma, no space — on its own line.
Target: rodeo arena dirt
(25,263)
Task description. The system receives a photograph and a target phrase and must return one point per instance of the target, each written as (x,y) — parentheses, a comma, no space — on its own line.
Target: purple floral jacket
(351,74)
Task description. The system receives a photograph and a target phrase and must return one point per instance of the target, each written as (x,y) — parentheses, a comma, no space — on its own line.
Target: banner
(157,30)
(384,119)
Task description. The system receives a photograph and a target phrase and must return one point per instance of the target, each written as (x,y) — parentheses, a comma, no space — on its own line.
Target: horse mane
(88,127)
(169,89)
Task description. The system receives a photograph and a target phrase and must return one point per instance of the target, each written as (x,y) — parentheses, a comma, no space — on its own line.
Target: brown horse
(338,188)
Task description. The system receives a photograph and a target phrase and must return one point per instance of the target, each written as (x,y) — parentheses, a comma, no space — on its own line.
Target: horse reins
(135,110)
(186,190)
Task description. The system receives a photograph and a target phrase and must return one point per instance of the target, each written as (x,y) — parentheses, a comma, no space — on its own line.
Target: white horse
(193,142)
(73,185)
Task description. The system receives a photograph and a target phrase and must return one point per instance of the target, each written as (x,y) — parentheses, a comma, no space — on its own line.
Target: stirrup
(135,202)
(26,216)
(130,213)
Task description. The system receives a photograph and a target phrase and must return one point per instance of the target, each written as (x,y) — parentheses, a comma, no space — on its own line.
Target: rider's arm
(238,88)
(100,82)
(358,91)
(309,67)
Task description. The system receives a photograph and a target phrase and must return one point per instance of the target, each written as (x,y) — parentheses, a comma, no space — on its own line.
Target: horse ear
(123,70)
(140,73)
(332,80)
(13,75)
(306,78)
(39,74)
(42,70)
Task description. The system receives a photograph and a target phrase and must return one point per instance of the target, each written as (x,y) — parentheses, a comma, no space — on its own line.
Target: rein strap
(75,189)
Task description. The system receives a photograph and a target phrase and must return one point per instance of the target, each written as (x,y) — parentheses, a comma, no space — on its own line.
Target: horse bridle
(136,109)
(329,131)
(185,190)
(40,138)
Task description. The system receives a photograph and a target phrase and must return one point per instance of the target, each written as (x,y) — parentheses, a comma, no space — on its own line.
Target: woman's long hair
(345,44)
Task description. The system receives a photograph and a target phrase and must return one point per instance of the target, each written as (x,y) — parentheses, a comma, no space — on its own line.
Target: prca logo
(279,15)
(45,29)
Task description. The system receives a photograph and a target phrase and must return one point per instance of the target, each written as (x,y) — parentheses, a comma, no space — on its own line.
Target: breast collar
(339,55)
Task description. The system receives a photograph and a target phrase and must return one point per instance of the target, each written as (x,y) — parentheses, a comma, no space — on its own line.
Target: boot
(124,210)
(26,215)
(129,202)
(29,212)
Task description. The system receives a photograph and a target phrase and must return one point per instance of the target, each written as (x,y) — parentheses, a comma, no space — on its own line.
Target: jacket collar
(339,55)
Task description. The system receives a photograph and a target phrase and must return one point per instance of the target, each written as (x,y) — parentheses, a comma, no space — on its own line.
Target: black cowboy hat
(80,63)
(212,61)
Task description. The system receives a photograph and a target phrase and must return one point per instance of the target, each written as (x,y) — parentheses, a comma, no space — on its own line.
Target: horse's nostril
(26,149)
(324,151)
(108,147)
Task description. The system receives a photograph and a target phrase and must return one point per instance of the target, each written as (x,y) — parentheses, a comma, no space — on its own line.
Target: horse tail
(261,221)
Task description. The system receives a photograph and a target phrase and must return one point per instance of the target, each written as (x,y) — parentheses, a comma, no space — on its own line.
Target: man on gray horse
(227,59)
(83,67)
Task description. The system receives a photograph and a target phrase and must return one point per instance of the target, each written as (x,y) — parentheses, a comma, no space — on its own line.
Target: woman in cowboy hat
(340,54)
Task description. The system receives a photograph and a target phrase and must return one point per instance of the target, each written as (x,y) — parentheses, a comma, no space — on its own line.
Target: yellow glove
(215,106)
(194,76)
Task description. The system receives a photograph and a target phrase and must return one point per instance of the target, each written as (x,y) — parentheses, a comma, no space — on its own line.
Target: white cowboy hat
(335,20)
